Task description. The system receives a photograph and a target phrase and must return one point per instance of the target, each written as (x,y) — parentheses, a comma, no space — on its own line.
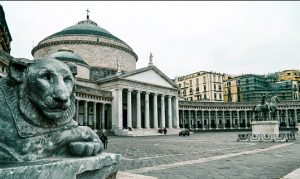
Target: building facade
(232,91)
(201,86)
(5,40)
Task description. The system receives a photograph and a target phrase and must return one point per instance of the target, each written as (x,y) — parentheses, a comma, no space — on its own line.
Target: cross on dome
(87,12)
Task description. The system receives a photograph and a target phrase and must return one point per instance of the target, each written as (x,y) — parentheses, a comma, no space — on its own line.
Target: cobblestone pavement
(205,155)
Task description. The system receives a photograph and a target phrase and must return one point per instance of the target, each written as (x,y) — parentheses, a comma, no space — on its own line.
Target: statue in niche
(37,102)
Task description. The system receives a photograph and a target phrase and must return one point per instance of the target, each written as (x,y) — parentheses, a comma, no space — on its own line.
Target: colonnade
(144,109)
(207,119)
(93,112)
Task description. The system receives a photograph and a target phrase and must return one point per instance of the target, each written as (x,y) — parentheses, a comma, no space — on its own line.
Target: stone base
(102,166)
(266,131)
(265,127)
(144,132)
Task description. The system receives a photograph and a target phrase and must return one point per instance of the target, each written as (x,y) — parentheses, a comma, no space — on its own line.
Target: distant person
(165,130)
(104,140)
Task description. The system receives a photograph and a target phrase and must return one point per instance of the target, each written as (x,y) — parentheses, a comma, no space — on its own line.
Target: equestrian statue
(265,108)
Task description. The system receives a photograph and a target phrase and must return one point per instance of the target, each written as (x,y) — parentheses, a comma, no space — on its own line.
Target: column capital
(170,96)
(163,95)
(155,94)
(130,89)
(147,92)
(119,89)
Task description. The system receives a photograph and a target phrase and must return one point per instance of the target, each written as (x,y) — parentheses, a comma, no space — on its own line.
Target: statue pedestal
(265,127)
(102,166)
(266,131)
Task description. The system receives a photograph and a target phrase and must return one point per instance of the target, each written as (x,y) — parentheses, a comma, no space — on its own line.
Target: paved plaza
(205,155)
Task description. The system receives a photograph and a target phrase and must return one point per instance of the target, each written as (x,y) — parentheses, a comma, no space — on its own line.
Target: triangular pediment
(151,76)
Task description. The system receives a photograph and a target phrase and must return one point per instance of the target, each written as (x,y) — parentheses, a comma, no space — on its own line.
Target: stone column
(246,120)
(196,120)
(223,116)
(217,119)
(103,116)
(138,110)
(155,111)
(295,117)
(277,113)
(129,110)
(94,115)
(209,120)
(85,119)
(176,113)
(202,113)
(170,112)
(163,123)
(238,119)
(286,118)
(253,116)
(117,110)
(189,118)
(231,120)
(147,114)
(77,110)
(120,108)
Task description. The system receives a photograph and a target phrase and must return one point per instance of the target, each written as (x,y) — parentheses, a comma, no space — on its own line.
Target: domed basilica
(112,95)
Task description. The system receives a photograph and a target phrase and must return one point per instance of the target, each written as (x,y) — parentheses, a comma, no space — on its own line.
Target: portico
(143,101)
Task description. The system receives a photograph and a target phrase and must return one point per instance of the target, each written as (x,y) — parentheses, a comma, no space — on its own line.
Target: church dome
(85,27)
(96,46)
(68,56)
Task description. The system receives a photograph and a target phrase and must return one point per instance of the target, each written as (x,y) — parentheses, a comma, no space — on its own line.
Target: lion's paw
(85,149)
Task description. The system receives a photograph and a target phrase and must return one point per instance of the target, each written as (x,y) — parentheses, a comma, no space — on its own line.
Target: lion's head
(46,90)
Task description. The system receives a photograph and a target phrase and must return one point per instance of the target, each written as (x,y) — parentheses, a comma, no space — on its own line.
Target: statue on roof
(150,60)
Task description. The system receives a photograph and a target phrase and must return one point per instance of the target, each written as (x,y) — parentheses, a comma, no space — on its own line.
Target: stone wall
(94,55)
(83,72)
(98,73)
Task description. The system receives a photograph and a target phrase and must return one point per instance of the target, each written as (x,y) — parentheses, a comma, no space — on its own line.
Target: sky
(232,37)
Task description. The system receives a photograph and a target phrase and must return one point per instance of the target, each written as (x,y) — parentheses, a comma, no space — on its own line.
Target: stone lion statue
(37,106)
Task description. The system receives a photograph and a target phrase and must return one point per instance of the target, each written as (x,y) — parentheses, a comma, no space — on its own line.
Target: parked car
(185,132)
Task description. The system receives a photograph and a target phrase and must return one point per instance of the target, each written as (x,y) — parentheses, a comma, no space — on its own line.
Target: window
(191,83)
(220,96)
(204,87)
(204,96)
(220,88)
(197,81)
(288,74)
(204,79)
(215,95)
